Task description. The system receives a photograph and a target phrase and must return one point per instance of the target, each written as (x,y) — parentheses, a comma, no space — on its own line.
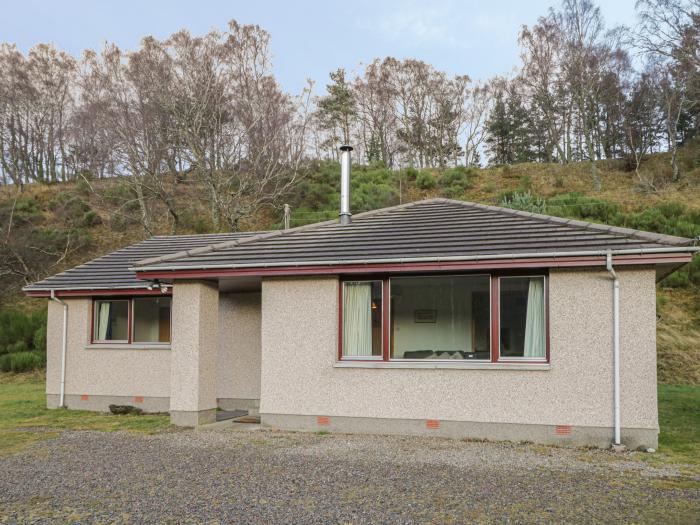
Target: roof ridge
(267,235)
(255,232)
(639,234)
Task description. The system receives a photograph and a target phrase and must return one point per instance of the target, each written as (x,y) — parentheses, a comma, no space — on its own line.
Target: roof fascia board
(561,262)
(405,260)
(82,292)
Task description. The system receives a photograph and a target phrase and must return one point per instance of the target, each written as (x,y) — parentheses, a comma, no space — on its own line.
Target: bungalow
(435,317)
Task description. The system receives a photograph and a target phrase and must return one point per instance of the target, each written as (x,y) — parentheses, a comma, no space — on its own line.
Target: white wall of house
(300,346)
(103,374)
(113,374)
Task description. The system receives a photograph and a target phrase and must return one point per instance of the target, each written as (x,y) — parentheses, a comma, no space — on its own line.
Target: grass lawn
(679,419)
(24,417)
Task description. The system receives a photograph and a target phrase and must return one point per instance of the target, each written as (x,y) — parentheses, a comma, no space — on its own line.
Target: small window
(152,320)
(441,317)
(362,319)
(522,316)
(111,321)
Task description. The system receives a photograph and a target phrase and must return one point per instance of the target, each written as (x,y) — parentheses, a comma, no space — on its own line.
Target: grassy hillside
(90,220)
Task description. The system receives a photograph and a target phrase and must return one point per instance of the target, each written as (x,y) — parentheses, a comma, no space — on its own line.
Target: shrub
(82,183)
(39,339)
(425,180)
(412,173)
(90,218)
(525,184)
(579,206)
(678,279)
(525,202)
(490,187)
(459,176)
(22,361)
(120,194)
(18,331)
(455,181)
(372,196)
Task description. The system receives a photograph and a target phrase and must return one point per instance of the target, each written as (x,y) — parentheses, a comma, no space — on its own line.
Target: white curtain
(534,322)
(103,321)
(357,319)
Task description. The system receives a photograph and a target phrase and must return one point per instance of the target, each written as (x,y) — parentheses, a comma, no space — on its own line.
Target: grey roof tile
(433,228)
(112,272)
(430,228)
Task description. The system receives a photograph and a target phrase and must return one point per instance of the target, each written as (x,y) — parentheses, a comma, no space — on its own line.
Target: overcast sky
(310,38)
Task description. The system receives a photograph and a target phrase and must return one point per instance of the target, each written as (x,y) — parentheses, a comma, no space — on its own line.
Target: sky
(309,38)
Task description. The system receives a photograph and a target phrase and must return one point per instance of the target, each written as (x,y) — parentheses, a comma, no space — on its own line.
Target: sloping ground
(48,212)
(678,336)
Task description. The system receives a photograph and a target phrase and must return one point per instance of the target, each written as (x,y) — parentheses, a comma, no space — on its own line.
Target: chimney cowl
(345,170)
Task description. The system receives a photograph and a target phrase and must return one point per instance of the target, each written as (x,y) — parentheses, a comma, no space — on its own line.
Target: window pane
(522,317)
(152,320)
(440,317)
(111,320)
(362,319)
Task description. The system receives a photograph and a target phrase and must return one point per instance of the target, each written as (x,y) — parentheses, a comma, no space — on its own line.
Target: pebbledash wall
(103,374)
(568,402)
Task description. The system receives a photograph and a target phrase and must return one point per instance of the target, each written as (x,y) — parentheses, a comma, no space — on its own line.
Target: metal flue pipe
(345,169)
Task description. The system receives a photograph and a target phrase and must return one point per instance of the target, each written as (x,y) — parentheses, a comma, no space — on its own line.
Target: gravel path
(281,477)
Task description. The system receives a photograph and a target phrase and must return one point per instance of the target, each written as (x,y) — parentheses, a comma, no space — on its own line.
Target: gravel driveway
(280,477)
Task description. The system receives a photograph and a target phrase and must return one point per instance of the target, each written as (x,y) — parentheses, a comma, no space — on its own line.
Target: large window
(440,317)
(486,318)
(137,320)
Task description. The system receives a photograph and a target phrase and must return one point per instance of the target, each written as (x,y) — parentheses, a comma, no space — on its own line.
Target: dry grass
(678,337)
(679,324)
(619,185)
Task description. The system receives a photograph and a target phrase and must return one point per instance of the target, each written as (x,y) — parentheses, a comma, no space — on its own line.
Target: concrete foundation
(101,403)
(184,418)
(251,405)
(574,436)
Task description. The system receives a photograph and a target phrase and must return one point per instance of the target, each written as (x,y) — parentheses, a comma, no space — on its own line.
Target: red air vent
(84,397)
(562,430)
(432,424)
(323,420)
(138,399)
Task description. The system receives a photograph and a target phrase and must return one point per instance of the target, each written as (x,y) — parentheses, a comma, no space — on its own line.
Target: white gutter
(616,345)
(61,397)
(403,260)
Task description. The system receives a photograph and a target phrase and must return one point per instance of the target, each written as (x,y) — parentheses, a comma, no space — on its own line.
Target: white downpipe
(616,345)
(62,395)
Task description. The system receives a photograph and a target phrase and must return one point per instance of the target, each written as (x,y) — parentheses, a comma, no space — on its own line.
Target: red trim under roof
(89,293)
(348,269)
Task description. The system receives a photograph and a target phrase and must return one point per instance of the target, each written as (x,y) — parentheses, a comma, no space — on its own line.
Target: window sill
(442,365)
(127,346)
